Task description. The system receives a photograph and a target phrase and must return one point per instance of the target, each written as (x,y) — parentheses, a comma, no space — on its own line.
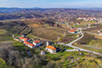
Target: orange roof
(100,32)
(23,38)
(73,30)
(37,41)
(51,47)
(28,43)
(20,37)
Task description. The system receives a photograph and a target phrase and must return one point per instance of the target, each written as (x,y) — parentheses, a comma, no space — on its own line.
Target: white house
(51,49)
(37,43)
(42,53)
(29,44)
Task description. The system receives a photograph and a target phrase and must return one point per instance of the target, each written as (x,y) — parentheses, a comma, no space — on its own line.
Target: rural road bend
(78,48)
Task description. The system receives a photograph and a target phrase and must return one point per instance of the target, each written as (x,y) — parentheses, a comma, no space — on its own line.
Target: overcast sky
(52,3)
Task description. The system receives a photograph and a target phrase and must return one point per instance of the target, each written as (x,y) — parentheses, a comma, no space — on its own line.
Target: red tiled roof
(100,32)
(51,47)
(23,38)
(37,41)
(28,43)
(73,30)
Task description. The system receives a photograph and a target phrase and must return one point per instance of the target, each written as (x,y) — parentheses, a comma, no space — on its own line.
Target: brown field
(97,36)
(94,29)
(45,33)
(49,32)
(52,33)
(35,25)
(88,22)
(67,39)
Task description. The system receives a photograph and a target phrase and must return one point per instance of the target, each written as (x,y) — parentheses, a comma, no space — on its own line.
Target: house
(16,39)
(37,43)
(51,49)
(42,53)
(73,31)
(100,33)
(88,18)
(29,44)
(78,35)
(23,39)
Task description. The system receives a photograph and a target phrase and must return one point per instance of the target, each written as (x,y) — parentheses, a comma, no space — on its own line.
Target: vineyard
(96,43)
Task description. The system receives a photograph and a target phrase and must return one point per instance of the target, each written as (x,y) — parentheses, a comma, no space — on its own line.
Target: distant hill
(12,10)
(48,13)
(9,10)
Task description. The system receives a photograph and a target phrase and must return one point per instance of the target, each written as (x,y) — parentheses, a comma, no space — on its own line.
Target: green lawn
(2,31)
(3,64)
(76,26)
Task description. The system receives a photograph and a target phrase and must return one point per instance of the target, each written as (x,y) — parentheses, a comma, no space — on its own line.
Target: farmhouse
(29,44)
(26,42)
(51,49)
(72,31)
(37,43)
(23,39)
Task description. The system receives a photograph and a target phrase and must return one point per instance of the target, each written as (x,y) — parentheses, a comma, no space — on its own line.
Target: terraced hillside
(7,29)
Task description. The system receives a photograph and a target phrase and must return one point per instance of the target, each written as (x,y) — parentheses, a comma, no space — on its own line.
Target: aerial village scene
(50,46)
(56,41)
(37,43)
(50,37)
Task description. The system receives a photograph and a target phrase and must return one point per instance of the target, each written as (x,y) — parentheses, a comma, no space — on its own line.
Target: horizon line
(56,7)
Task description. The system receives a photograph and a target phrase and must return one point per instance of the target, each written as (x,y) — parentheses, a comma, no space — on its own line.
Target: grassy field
(76,60)
(88,22)
(8,28)
(2,31)
(3,64)
(77,26)
(96,43)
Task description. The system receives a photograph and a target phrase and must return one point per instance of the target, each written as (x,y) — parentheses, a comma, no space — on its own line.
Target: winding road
(78,48)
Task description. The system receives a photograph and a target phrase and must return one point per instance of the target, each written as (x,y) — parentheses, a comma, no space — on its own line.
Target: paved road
(82,35)
(78,48)
(71,50)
